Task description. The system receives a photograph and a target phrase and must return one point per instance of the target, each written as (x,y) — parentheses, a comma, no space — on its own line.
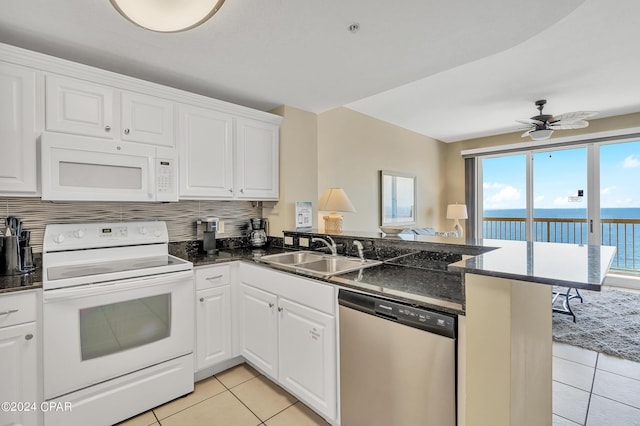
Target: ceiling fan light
(167,16)
(540,135)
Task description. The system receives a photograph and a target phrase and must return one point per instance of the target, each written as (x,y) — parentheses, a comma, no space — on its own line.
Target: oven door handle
(114,286)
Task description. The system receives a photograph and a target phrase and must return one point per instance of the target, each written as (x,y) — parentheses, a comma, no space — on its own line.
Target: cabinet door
(206,156)
(18,369)
(17,129)
(307,349)
(259,329)
(257,160)
(147,119)
(213,328)
(80,107)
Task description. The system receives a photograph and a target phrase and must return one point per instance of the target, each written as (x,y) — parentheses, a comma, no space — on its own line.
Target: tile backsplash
(180,216)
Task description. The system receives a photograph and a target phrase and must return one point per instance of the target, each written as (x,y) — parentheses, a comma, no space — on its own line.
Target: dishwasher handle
(402,313)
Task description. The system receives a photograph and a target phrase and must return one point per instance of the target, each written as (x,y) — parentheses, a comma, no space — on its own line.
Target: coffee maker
(16,255)
(209,234)
(258,235)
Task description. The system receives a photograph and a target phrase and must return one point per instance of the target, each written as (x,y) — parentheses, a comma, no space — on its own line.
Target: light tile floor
(589,389)
(239,396)
(594,389)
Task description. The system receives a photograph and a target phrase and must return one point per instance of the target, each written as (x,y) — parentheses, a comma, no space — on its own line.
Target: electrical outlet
(221,227)
(304,242)
(288,241)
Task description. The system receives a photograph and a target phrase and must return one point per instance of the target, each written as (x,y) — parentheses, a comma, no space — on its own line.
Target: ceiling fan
(542,125)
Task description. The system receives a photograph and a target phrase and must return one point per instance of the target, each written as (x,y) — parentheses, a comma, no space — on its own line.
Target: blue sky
(558,175)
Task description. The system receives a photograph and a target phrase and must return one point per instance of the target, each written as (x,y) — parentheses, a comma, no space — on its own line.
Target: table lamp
(457,212)
(334,200)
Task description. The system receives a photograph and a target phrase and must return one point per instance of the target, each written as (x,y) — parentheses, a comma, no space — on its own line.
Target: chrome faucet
(332,245)
(358,245)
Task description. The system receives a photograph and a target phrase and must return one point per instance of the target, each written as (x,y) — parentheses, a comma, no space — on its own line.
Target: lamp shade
(335,200)
(167,16)
(457,211)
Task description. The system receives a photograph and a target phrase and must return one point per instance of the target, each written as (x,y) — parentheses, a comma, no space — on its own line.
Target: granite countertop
(425,272)
(416,277)
(565,265)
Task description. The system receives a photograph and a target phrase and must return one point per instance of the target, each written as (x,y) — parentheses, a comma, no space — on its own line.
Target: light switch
(288,241)
(304,242)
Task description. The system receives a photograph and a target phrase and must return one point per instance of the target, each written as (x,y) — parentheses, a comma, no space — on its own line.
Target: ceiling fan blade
(562,125)
(573,116)
(530,122)
(525,134)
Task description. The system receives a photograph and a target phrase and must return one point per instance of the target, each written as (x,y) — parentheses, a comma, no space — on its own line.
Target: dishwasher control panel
(412,316)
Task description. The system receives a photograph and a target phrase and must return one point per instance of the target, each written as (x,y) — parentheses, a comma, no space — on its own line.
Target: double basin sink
(312,263)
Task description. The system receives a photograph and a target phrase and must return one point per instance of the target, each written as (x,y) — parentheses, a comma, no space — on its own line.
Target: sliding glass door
(560,196)
(620,203)
(587,194)
(504,197)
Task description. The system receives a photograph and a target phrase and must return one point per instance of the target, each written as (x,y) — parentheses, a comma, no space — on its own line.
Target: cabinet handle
(280,309)
(10,311)
(126,131)
(242,190)
(107,128)
(202,299)
(230,189)
(28,336)
(271,305)
(213,278)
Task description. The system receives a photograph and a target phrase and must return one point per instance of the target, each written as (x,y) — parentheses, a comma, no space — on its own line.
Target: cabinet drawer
(212,276)
(17,308)
(308,292)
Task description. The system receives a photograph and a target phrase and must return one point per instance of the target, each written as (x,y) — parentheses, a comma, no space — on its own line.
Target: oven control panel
(58,237)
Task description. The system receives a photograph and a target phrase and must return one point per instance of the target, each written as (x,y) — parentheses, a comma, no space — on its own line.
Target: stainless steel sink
(292,258)
(317,264)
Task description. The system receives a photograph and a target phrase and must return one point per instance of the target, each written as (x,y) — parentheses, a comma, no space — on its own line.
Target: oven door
(96,332)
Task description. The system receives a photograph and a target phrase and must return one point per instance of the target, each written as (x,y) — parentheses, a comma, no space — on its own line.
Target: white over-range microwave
(81,168)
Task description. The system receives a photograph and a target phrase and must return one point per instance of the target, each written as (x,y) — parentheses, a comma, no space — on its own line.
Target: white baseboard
(627,282)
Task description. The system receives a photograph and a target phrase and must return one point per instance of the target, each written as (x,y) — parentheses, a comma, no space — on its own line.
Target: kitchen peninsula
(505,337)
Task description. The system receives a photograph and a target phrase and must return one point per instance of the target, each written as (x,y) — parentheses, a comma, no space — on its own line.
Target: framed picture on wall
(397,198)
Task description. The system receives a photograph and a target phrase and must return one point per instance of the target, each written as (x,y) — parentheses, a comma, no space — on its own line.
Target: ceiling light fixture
(540,135)
(167,16)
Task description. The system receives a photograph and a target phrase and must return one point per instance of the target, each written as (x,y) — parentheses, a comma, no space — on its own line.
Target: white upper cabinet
(206,153)
(79,107)
(147,119)
(91,109)
(226,157)
(257,160)
(18,168)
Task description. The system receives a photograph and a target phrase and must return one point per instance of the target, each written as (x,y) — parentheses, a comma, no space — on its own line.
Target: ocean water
(623,234)
(605,213)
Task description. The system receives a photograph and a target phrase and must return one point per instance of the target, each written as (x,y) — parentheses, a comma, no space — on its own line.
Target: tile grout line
(246,406)
(593,382)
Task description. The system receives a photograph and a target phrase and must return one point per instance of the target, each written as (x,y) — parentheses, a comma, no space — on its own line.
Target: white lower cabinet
(306,362)
(19,360)
(213,316)
(288,332)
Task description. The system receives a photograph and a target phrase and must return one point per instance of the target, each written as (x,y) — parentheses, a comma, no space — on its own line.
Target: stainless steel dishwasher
(397,363)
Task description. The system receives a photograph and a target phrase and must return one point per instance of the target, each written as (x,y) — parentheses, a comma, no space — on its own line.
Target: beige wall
(353,147)
(298,167)
(453,170)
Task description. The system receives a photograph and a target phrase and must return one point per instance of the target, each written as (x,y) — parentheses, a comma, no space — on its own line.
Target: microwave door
(97,171)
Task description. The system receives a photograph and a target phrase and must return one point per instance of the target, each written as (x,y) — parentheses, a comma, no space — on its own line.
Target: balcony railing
(624,234)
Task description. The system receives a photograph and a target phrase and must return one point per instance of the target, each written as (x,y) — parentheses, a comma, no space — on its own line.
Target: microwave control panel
(166,182)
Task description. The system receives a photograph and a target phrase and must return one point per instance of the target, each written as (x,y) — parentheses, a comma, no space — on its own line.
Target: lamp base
(457,228)
(333,223)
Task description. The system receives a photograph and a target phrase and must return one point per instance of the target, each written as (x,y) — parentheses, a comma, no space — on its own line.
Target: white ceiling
(452,70)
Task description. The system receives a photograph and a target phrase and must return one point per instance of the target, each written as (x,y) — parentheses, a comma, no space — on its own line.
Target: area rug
(607,321)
